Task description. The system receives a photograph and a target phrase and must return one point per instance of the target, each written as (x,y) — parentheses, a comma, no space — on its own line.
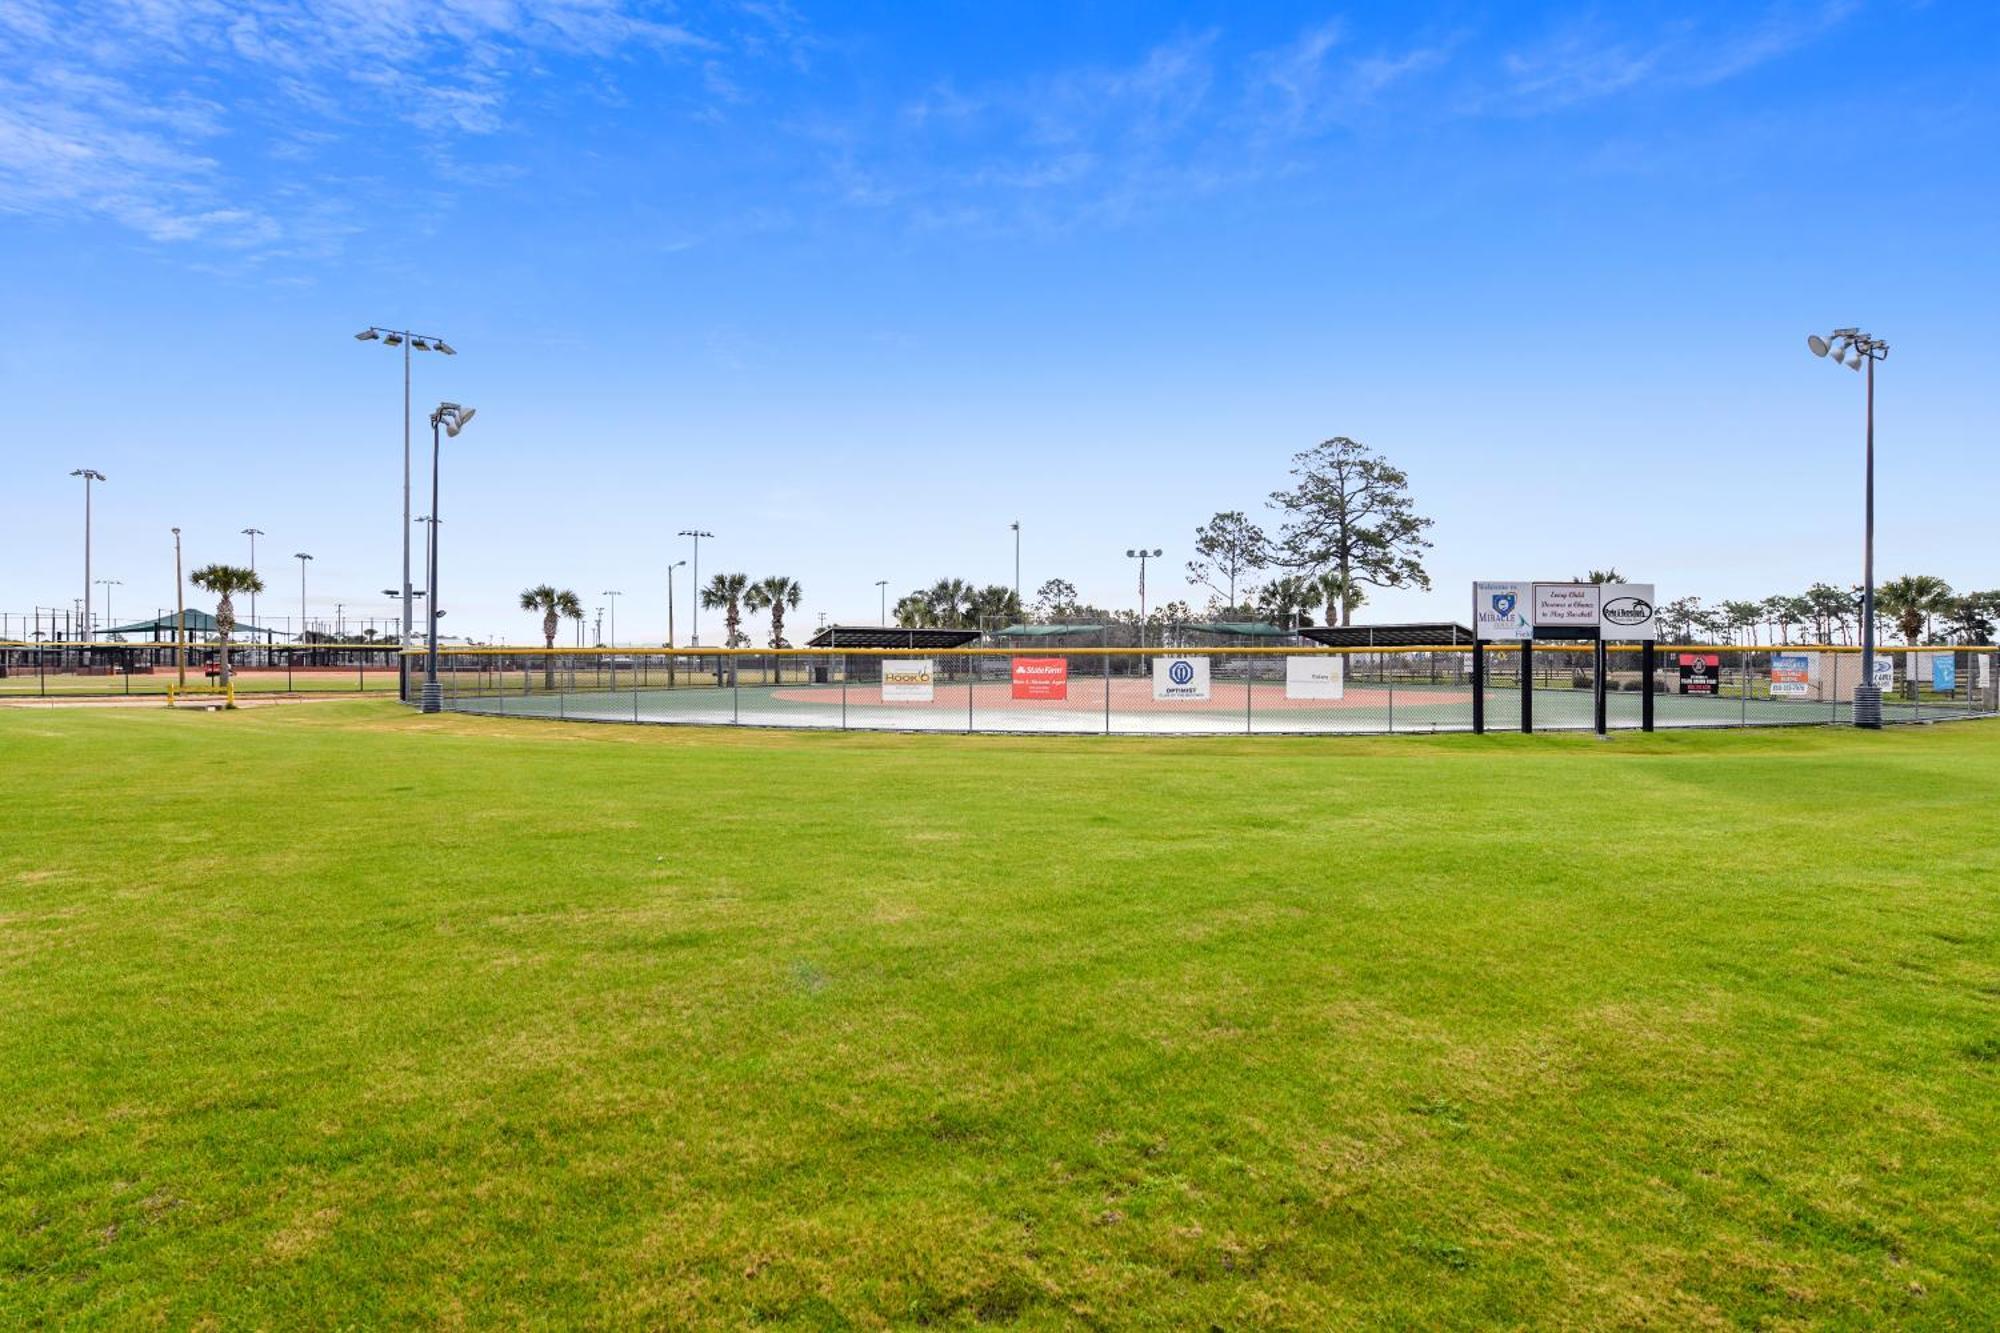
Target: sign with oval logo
(1180,678)
(1627,611)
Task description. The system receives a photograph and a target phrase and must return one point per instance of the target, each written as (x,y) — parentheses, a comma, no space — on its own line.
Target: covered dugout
(917,642)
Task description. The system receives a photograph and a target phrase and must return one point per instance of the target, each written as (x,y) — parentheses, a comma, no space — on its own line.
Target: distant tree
(1833,610)
(1679,618)
(1350,511)
(1337,597)
(1911,601)
(1055,601)
(774,594)
(724,593)
(1285,601)
(1603,576)
(1739,618)
(1971,618)
(1227,547)
(914,612)
(950,600)
(994,604)
(225,581)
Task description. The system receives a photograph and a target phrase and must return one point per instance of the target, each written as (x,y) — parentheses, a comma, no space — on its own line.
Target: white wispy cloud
(141,111)
(1586,60)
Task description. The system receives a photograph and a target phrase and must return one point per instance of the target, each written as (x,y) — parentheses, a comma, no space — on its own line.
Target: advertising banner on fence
(1701,673)
(1500,612)
(1944,673)
(1041,678)
(1315,677)
(907,681)
(1791,675)
(1885,673)
(1566,606)
(1177,678)
(1626,612)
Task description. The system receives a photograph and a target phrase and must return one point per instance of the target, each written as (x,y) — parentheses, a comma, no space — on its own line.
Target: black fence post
(1600,660)
(1646,667)
(1478,688)
(1527,686)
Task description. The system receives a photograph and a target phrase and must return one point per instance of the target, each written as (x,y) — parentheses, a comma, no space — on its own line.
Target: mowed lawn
(332,1015)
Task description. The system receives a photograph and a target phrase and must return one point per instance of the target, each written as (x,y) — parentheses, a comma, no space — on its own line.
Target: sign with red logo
(1701,673)
(1041,678)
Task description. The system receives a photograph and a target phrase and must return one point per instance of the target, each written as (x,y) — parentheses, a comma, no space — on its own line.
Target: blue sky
(855,286)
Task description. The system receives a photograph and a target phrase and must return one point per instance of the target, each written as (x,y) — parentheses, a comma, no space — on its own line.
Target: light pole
(89,474)
(694,607)
(406,340)
(1142,555)
(1016,526)
(253,534)
(613,594)
(882,588)
(670,600)
(180,618)
(453,419)
(108,585)
(1852,348)
(302,557)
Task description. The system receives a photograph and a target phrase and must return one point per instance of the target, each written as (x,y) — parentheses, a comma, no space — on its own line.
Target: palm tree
(1339,596)
(949,599)
(774,594)
(555,608)
(225,581)
(1286,600)
(915,612)
(1911,601)
(724,593)
(995,601)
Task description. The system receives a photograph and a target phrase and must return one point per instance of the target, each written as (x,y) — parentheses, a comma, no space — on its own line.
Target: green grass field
(337,1016)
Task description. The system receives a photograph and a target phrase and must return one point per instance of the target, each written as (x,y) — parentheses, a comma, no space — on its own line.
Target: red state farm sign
(1041,678)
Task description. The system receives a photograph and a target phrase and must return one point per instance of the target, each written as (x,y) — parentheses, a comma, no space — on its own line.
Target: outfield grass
(334,1015)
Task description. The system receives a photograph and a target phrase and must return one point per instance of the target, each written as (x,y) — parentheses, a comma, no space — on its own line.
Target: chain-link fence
(1217,691)
(94,670)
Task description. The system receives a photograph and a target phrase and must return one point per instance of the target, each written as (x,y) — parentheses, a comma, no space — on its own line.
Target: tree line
(1920,607)
(1346,524)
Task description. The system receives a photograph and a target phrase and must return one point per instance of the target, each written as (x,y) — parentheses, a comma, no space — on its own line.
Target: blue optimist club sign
(1180,678)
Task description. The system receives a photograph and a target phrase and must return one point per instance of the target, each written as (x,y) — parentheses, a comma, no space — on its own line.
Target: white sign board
(907,681)
(1565,606)
(1177,678)
(1626,612)
(1315,677)
(1500,611)
(1885,672)
(1792,675)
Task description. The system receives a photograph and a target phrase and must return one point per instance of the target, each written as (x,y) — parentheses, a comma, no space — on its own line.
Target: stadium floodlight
(407,340)
(89,474)
(452,417)
(1142,555)
(694,609)
(1851,347)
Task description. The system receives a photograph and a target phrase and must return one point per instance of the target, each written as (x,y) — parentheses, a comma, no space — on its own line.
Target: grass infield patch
(337,1015)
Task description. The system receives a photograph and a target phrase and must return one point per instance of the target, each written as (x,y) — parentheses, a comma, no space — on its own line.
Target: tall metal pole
(882,587)
(253,534)
(180,618)
(612,593)
(89,474)
(433,700)
(1017,565)
(405,645)
(694,605)
(1868,565)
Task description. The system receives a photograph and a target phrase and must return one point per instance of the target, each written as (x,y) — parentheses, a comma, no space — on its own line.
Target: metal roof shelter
(200,624)
(890,636)
(1440,633)
(1045,631)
